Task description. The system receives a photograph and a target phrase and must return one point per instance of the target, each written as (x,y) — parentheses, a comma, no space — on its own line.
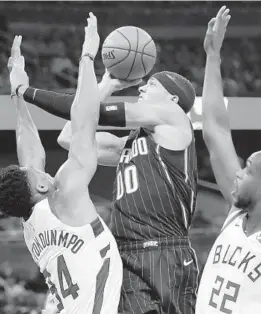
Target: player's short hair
(15,193)
(178,85)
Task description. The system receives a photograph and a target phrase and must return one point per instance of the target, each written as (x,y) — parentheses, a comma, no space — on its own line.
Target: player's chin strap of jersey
(59,104)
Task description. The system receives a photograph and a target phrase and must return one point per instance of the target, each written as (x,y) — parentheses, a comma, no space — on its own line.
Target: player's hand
(16,64)
(117,84)
(92,38)
(216,31)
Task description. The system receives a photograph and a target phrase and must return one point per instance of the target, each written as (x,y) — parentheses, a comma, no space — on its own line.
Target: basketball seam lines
(134,55)
(145,54)
(125,49)
(126,39)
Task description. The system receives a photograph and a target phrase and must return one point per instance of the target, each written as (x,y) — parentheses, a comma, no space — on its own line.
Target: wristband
(87,55)
(17,88)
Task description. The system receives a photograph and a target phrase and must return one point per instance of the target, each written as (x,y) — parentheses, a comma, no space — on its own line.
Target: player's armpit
(109,148)
(64,139)
(224,160)
(72,179)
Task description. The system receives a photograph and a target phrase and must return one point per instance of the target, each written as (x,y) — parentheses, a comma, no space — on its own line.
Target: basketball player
(155,188)
(73,247)
(231,280)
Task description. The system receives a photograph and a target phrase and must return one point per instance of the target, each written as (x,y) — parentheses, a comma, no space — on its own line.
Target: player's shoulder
(39,217)
(40,209)
(173,137)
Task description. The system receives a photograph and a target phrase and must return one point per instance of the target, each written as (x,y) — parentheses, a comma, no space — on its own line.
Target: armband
(112,114)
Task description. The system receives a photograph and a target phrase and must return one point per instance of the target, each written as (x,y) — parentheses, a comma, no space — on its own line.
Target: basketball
(129,53)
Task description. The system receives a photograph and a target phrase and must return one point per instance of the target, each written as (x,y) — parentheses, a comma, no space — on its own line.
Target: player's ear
(42,187)
(42,184)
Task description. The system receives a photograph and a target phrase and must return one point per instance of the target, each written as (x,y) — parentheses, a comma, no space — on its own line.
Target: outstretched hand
(117,84)
(217,27)
(16,65)
(92,38)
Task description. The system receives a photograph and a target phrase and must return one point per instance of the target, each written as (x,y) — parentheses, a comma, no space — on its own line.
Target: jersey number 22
(231,287)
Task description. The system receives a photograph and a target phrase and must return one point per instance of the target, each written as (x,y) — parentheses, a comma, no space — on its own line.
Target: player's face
(247,192)
(152,92)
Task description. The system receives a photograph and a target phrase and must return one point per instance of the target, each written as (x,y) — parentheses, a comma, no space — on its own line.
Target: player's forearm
(85,114)
(30,150)
(58,104)
(214,112)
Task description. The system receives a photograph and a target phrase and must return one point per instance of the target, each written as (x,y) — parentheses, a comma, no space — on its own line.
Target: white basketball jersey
(231,280)
(82,265)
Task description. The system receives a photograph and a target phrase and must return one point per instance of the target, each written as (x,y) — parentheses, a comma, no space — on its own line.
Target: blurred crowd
(18,293)
(52,62)
(16,297)
(52,46)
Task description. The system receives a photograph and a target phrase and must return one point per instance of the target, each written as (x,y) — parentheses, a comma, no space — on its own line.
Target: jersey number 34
(63,272)
(73,288)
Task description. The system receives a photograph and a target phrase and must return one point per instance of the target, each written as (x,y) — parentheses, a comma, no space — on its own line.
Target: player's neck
(253,222)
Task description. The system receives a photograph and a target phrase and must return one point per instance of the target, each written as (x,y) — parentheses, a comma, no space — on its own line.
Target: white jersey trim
(231,217)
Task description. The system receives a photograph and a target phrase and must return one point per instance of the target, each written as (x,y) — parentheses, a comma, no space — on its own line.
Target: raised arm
(75,174)
(30,150)
(216,129)
(59,104)
(119,114)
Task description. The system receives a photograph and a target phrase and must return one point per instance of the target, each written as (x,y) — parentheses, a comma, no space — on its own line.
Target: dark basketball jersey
(154,191)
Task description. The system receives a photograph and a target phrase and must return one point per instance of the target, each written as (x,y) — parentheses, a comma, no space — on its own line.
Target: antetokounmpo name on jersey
(247,262)
(139,147)
(55,238)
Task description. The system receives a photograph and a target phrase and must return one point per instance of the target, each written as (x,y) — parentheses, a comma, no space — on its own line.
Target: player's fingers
(92,16)
(227,20)
(15,50)
(225,13)
(221,11)
(19,41)
(13,45)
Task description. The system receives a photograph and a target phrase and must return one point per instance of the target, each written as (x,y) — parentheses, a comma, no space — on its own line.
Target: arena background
(52,38)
